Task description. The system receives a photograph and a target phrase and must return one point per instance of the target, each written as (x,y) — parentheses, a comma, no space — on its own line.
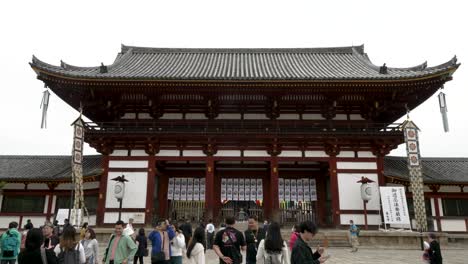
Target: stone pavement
(343,256)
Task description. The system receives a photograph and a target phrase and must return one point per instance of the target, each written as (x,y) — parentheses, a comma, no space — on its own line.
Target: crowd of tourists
(171,243)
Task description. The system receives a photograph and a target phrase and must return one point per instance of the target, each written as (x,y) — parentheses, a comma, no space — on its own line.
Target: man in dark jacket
(301,252)
(435,256)
(186,229)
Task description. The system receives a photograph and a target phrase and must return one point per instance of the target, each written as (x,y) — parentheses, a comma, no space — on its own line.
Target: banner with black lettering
(313,189)
(229,189)
(196,189)
(202,189)
(293,190)
(170,189)
(247,189)
(394,206)
(177,183)
(281,189)
(241,190)
(259,190)
(287,189)
(223,189)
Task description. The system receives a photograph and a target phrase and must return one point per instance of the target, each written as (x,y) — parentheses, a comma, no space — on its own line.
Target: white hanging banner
(394,206)
(241,190)
(235,189)
(287,189)
(170,189)
(259,190)
(247,189)
(229,189)
(196,189)
(253,190)
(300,190)
(177,183)
(281,189)
(306,189)
(202,189)
(223,189)
(189,189)
(293,190)
(313,189)
(183,189)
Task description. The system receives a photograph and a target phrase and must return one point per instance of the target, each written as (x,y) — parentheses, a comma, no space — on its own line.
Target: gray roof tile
(341,63)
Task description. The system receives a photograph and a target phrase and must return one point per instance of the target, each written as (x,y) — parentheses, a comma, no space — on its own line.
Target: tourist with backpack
(69,251)
(120,248)
(10,243)
(228,243)
(353,236)
(91,247)
(34,252)
(273,249)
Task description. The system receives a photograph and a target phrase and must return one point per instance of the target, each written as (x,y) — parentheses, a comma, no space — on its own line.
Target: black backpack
(71,256)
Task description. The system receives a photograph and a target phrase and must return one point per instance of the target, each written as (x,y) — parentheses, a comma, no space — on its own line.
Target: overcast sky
(86,33)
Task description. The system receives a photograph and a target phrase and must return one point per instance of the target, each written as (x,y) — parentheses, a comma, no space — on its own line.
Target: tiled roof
(435,170)
(339,63)
(22,168)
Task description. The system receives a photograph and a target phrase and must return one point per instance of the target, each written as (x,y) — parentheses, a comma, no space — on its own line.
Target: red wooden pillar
(150,190)
(273,194)
(209,188)
(102,191)
(217,197)
(380,170)
(335,202)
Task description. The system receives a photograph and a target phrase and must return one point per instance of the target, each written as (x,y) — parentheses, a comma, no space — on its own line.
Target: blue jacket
(156,240)
(17,236)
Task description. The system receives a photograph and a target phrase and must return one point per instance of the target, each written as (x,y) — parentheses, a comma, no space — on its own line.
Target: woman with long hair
(91,247)
(142,246)
(196,247)
(273,249)
(68,244)
(177,245)
(83,229)
(33,252)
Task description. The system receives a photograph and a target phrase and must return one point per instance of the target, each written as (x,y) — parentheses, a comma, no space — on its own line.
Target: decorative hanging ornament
(44,106)
(443,111)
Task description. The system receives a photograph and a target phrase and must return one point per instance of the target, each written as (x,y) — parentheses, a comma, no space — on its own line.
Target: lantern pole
(366,193)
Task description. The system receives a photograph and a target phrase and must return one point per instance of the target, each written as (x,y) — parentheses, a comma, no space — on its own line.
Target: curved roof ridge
(37,62)
(451,63)
(343,49)
(67,66)
(419,67)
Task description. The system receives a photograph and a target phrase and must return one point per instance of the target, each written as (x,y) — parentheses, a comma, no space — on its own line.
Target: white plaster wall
(350,191)
(228,153)
(37,186)
(255,116)
(65,186)
(135,190)
(168,153)
(256,153)
(356,165)
(195,116)
(193,153)
(37,221)
(341,117)
(138,153)
(316,154)
(229,116)
(434,224)
(355,117)
(441,211)
(312,117)
(172,116)
(454,225)
(144,116)
(14,186)
(54,202)
(433,207)
(46,204)
(346,154)
(365,154)
(290,153)
(359,219)
(289,117)
(90,185)
(119,153)
(128,164)
(446,188)
(129,116)
(112,217)
(5,220)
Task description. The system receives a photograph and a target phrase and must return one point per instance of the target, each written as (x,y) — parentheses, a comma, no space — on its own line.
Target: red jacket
(292,239)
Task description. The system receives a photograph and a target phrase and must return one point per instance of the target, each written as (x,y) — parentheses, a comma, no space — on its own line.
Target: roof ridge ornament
(103,68)
(383,69)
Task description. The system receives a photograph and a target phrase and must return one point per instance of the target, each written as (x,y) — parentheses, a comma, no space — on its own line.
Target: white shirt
(210,228)
(177,244)
(128,231)
(80,248)
(197,256)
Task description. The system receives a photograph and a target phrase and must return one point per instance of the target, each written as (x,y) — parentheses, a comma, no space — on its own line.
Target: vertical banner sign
(415,172)
(287,189)
(247,189)
(77,173)
(306,188)
(189,189)
(313,190)
(259,190)
(202,189)
(235,189)
(281,189)
(183,189)
(229,189)
(300,190)
(253,189)
(177,183)
(394,207)
(170,189)
(196,189)
(223,189)
(241,190)
(293,190)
